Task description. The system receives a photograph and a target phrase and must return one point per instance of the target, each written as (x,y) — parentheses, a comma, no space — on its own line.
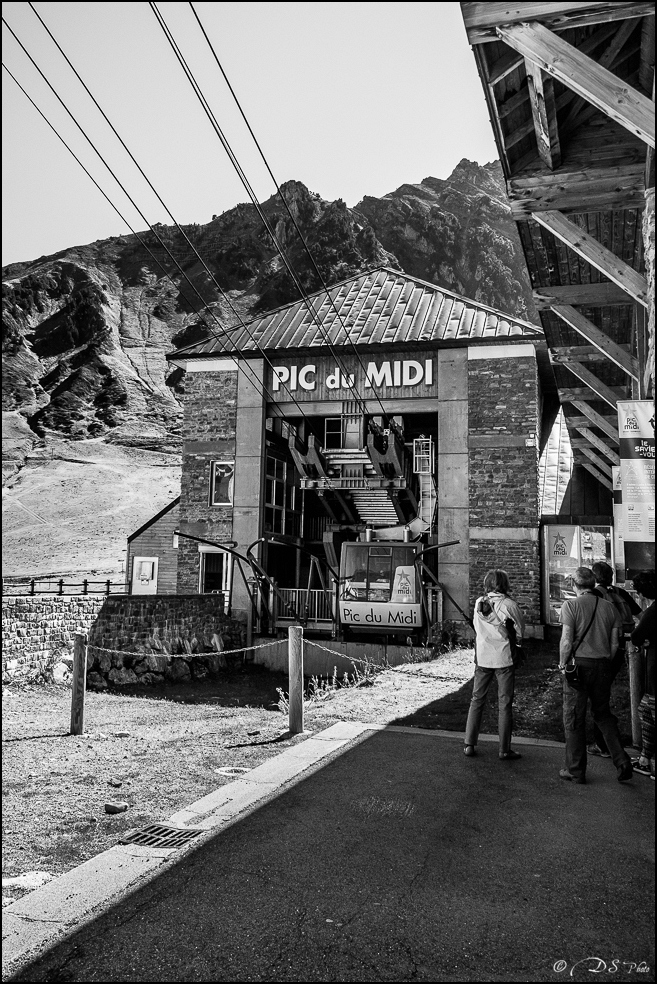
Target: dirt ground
(159,749)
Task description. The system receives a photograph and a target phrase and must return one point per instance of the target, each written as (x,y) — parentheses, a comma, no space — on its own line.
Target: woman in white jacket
(496,617)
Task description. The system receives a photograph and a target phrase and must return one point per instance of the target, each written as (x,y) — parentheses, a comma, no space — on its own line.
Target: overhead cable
(285,203)
(224,331)
(232,157)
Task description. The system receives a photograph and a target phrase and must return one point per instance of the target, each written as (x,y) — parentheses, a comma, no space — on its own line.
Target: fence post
(85,586)
(295,671)
(107,585)
(61,586)
(635,668)
(79,683)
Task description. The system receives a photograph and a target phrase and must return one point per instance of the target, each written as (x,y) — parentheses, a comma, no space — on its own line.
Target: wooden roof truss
(570,91)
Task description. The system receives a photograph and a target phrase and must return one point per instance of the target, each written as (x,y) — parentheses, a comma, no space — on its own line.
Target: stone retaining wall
(37,632)
(141,639)
(151,638)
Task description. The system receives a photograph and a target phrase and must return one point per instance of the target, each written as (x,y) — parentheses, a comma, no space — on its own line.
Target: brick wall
(38,631)
(503,415)
(503,429)
(208,435)
(147,636)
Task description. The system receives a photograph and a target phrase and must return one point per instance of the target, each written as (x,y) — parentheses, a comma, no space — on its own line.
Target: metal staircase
(424,468)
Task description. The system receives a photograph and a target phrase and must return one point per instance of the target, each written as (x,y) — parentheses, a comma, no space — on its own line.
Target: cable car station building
(386,412)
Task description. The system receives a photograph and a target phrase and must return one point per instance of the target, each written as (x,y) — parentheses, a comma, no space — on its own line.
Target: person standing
(627,609)
(495,614)
(590,634)
(644,635)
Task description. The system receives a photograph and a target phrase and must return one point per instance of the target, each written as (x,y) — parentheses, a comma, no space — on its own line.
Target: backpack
(614,596)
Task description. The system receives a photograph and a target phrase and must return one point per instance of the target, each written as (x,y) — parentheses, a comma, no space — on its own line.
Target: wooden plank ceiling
(570,91)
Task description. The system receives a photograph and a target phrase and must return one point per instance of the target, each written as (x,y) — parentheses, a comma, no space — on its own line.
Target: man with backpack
(627,608)
(589,641)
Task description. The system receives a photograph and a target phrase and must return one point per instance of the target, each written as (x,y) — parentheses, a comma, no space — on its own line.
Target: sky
(352,99)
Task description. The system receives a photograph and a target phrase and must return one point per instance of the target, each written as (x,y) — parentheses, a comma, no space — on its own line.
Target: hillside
(85,333)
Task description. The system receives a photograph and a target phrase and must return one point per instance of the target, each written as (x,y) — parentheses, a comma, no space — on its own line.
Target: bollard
(79,683)
(295,671)
(635,668)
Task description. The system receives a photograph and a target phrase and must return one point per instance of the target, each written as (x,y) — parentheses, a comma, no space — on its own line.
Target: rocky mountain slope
(85,331)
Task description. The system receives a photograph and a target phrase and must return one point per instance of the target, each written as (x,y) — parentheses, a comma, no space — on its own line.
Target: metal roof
(380,307)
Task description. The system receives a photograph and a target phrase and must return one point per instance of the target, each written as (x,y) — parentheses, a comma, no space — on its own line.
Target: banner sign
(636,430)
(619,547)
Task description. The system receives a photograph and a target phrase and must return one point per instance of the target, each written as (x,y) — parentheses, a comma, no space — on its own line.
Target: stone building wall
(38,631)
(208,435)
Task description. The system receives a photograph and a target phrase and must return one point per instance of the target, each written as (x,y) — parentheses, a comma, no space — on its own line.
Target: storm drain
(160,835)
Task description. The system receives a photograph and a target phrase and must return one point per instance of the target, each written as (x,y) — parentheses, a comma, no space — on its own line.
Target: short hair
(584,577)
(644,583)
(497,580)
(603,573)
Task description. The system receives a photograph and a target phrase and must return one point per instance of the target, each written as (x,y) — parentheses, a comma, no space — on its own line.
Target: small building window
(221,483)
(282,497)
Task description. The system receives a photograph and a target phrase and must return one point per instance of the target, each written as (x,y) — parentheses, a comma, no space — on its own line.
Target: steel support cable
(285,203)
(172,217)
(233,159)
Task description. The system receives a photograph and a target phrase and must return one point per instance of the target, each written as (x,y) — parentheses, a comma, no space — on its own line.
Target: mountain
(86,387)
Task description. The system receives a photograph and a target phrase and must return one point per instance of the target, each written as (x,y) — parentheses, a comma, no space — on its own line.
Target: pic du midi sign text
(324,377)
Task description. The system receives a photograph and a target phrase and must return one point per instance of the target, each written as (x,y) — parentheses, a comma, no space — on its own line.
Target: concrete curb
(46,915)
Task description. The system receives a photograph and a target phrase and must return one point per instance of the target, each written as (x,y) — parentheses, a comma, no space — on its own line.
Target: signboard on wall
(565,548)
(398,375)
(636,431)
(619,544)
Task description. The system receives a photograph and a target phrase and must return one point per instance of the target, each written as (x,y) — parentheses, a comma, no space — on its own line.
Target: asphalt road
(400,860)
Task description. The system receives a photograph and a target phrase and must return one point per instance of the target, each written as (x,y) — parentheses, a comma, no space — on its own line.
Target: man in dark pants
(593,626)
(627,609)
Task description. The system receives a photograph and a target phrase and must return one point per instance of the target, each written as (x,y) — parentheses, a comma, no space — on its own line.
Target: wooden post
(295,670)
(61,586)
(635,667)
(85,586)
(79,683)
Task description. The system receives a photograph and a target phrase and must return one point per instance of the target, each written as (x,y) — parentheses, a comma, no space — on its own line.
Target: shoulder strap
(581,640)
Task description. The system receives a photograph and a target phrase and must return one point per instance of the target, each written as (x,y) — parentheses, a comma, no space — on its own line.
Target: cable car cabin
(380,589)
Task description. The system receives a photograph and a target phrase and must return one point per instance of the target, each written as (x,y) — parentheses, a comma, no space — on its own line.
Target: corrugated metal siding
(382,307)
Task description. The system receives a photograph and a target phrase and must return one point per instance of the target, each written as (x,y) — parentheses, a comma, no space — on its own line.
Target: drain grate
(160,835)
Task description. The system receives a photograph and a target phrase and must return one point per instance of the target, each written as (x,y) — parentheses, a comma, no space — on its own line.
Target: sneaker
(596,750)
(510,756)
(569,777)
(625,771)
(643,768)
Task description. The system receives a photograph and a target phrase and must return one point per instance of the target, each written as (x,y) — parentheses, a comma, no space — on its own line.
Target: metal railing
(61,586)
(312,606)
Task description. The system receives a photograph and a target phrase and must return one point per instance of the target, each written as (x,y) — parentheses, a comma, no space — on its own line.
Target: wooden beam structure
(544,114)
(603,391)
(596,460)
(608,425)
(581,353)
(576,320)
(567,394)
(596,254)
(598,475)
(578,189)
(598,443)
(606,60)
(586,77)
(586,295)
(481,19)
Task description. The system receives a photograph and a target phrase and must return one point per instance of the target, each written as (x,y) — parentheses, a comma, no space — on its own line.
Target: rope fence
(296,645)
